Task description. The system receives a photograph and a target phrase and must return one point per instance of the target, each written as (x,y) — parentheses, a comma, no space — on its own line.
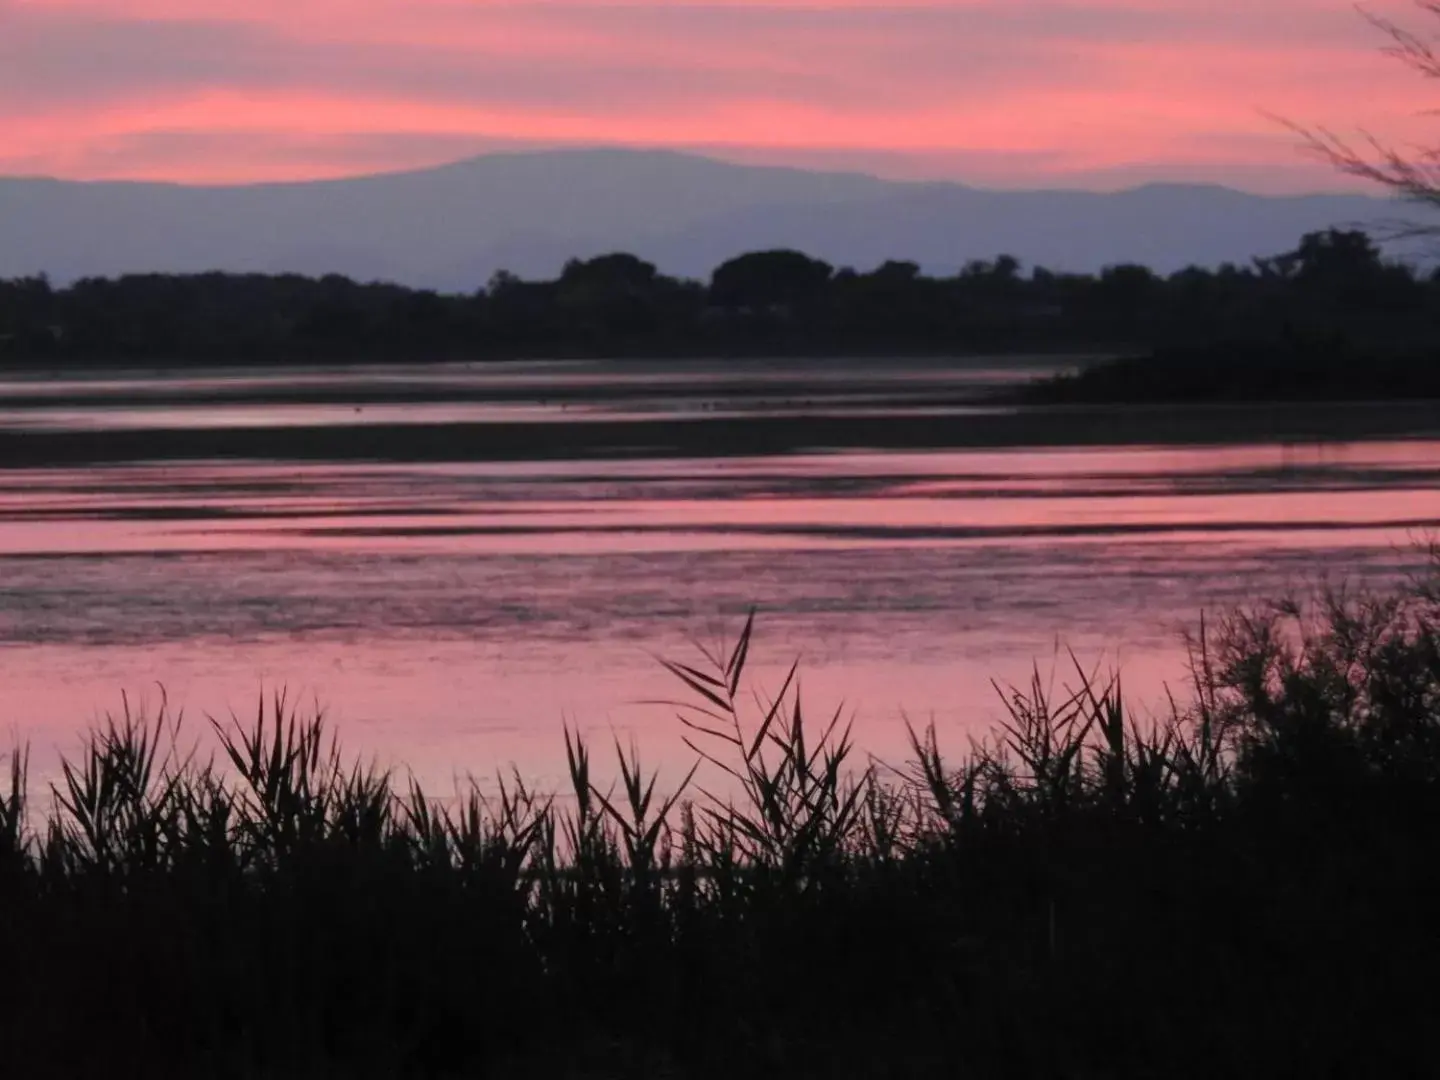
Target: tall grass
(1241,886)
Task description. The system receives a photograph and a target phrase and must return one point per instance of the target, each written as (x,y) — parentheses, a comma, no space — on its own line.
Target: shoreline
(745,436)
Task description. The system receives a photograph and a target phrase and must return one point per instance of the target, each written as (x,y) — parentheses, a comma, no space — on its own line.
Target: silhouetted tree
(1326,256)
(617,272)
(902,273)
(769,279)
(1005,268)
(500,281)
(611,296)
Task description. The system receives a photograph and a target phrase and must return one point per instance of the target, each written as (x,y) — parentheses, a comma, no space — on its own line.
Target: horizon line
(706,156)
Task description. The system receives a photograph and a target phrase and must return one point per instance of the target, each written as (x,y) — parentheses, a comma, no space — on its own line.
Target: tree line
(1333,284)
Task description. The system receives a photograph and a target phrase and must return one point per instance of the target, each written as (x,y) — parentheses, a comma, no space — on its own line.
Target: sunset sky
(1095,93)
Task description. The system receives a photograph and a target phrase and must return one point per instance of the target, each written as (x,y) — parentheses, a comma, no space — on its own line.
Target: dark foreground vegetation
(764,303)
(1245,887)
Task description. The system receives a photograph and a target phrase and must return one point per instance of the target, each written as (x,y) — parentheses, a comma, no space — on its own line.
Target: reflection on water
(1247,495)
(451,616)
(199,417)
(492,379)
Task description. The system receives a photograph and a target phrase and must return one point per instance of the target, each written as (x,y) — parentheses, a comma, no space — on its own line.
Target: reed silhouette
(1241,886)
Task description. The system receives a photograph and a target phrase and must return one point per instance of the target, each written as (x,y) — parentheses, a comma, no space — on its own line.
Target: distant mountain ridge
(453,226)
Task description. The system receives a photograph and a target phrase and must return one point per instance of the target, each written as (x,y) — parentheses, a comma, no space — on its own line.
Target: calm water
(453,616)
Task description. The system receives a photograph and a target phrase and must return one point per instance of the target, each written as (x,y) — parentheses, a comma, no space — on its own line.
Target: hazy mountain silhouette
(451,227)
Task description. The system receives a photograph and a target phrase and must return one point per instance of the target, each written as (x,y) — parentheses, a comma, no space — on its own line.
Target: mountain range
(453,226)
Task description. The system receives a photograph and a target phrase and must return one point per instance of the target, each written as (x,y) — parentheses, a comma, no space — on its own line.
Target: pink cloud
(1004,91)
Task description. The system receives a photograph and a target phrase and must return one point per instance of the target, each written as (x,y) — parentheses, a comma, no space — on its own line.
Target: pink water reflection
(448,710)
(452,617)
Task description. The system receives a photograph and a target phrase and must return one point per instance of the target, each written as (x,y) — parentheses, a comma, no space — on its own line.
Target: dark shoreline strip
(748,436)
(852,532)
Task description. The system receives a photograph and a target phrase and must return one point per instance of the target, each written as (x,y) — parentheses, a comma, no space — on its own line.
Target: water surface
(452,614)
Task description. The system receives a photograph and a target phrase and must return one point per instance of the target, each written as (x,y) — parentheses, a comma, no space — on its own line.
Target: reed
(1238,886)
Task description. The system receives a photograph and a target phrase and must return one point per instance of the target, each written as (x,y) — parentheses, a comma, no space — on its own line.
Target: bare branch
(1410,174)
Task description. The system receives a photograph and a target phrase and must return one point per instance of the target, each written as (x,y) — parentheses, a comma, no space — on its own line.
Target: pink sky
(1001,92)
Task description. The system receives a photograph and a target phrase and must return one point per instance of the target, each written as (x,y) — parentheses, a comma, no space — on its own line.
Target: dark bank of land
(765,304)
(1284,369)
(742,436)
(1243,887)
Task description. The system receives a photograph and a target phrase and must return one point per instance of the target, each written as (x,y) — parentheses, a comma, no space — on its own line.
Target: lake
(455,561)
